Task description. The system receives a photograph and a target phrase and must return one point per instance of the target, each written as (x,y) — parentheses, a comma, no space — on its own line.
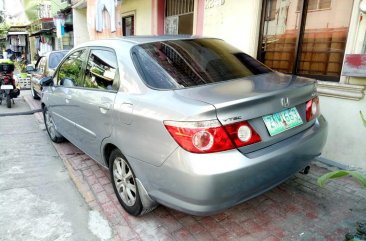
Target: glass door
(304,37)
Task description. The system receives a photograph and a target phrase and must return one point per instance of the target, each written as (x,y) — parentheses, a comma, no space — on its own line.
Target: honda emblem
(285,102)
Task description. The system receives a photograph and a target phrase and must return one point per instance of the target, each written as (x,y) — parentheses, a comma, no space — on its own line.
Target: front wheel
(124,183)
(8,101)
(51,128)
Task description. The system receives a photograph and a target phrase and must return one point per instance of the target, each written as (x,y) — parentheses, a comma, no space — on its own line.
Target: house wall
(235,21)
(346,134)
(80,26)
(142,9)
(106,33)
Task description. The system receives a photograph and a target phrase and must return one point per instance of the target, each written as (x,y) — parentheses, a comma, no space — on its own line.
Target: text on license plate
(282,121)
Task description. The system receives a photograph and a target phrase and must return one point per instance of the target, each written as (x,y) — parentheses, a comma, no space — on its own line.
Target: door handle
(105,106)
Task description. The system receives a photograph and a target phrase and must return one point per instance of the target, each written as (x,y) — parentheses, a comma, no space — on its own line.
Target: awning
(42,31)
(18,33)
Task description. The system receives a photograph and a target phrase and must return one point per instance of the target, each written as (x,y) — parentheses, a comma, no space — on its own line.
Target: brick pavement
(296,210)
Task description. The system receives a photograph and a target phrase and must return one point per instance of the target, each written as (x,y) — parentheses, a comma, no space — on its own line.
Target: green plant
(342,173)
(363,119)
(20,66)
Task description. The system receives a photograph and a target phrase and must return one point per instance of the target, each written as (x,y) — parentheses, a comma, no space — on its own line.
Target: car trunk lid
(253,97)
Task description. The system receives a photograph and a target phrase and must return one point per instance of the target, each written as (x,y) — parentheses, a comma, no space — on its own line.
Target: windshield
(192,62)
(55,59)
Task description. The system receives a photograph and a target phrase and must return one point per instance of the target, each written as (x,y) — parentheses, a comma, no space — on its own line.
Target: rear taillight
(242,134)
(312,109)
(211,136)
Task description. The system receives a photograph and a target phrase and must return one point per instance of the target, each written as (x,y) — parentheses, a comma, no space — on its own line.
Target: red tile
(99,173)
(234,228)
(271,238)
(213,227)
(183,234)
(125,232)
(97,188)
(104,180)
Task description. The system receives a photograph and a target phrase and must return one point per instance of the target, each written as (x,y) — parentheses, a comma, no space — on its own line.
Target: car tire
(8,101)
(34,94)
(51,128)
(124,183)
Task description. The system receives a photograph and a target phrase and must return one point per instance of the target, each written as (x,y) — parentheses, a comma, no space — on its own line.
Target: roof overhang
(42,31)
(80,4)
(18,33)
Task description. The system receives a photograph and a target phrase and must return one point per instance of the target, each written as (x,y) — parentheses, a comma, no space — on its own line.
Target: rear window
(192,62)
(55,59)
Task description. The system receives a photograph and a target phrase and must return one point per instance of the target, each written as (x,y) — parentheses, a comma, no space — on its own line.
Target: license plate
(6,87)
(282,121)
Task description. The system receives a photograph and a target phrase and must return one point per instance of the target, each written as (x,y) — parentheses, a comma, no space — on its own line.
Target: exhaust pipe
(305,170)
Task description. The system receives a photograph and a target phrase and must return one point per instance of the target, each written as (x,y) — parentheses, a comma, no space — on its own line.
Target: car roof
(135,40)
(54,51)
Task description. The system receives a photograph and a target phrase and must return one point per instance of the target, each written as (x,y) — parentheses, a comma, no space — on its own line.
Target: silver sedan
(190,123)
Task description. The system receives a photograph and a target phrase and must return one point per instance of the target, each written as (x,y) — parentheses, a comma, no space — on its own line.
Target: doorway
(305,37)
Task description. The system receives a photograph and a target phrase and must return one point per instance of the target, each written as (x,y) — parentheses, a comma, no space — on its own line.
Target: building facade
(312,38)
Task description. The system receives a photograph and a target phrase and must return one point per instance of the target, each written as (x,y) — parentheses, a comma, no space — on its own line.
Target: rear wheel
(124,183)
(8,101)
(51,128)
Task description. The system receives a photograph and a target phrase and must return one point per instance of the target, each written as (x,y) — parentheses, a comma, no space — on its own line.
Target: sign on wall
(171,25)
(213,3)
(354,65)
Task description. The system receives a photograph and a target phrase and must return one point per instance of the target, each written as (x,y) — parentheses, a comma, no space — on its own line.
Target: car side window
(101,70)
(70,74)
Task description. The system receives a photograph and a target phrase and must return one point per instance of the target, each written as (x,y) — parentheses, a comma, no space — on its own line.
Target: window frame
(116,81)
(82,70)
(298,8)
(272,11)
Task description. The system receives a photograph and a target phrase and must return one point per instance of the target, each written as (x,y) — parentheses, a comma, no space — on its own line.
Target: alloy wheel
(50,125)
(124,181)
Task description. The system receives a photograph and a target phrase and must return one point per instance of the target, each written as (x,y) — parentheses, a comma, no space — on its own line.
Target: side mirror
(46,81)
(30,68)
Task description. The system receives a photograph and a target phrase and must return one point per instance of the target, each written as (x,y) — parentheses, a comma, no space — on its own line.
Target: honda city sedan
(190,123)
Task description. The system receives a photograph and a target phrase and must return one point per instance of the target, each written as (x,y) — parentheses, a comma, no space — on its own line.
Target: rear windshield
(55,59)
(192,62)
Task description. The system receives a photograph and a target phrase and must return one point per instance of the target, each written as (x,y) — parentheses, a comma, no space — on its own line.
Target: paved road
(38,200)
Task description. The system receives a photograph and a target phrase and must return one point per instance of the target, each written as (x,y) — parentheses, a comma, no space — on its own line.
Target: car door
(95,100)
(64,104)
(39,74)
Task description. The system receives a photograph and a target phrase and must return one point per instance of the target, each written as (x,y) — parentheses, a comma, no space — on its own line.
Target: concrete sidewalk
(38,200)
(296,210)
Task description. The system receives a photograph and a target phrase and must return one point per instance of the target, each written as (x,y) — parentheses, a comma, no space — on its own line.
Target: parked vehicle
(8,88)
(190,123)
(45,66)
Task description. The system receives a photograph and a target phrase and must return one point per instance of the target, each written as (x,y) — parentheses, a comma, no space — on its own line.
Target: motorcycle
(8,88)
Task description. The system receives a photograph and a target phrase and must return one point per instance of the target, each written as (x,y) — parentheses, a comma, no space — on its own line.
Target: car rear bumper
(203,184)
